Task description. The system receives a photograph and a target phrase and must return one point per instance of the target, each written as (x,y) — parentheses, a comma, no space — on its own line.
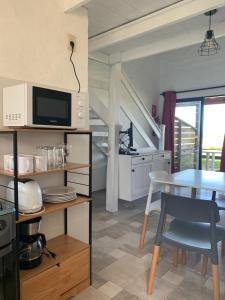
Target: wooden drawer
(76,290)
(161,156)
(73,271)
(43,286)
(141,159)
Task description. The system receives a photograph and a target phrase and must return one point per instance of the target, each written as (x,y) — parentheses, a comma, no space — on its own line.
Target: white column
(112,184)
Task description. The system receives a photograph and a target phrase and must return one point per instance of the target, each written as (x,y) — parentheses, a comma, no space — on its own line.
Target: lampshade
(209,46)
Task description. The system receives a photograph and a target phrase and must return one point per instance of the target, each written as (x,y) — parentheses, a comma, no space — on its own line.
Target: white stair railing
(136,124)
(128,86)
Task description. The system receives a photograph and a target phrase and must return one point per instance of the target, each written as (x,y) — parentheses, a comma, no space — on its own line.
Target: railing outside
(186,146)
(211,159)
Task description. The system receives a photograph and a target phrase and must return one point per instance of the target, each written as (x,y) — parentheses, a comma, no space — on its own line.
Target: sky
(213,123)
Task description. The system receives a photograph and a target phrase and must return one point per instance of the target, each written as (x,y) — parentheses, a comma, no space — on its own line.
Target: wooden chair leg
(223,249)
(155,256)
(184,256)
(143,232)
(216,281)
(175,256)
(193,193)
(204,265)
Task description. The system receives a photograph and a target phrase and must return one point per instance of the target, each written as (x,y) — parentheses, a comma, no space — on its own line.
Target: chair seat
(192,235)
(221,204)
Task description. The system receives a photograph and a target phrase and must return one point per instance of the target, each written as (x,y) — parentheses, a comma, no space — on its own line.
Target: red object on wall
(222,165)
(169,119)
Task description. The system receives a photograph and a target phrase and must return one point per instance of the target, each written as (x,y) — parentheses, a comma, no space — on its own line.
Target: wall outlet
(70,38)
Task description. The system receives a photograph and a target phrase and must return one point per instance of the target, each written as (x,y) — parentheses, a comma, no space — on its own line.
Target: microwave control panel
(14,105)
(80,106)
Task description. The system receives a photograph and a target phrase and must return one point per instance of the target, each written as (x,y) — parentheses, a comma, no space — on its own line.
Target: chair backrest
(192,210)
(153,176)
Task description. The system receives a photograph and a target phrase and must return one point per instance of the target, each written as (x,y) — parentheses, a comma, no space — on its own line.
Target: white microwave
(26,105)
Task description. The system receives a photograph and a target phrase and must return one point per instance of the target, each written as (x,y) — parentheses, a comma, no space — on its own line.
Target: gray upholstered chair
(193,228)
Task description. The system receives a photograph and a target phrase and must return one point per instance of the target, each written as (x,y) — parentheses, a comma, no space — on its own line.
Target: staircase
(99,132)
(105,131)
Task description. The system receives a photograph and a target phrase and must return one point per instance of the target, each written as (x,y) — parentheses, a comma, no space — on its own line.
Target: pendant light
(209,46)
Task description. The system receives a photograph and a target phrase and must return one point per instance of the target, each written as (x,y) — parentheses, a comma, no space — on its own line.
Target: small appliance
(26,105)
(8,266)
(29,195)
(32,244)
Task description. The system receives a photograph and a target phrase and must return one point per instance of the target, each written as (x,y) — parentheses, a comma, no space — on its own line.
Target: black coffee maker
(32,244)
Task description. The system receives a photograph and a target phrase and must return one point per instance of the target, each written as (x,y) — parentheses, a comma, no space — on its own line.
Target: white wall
(33,44)
(98,80)
(144,75)
(33,47)
(181,69)
(184,69)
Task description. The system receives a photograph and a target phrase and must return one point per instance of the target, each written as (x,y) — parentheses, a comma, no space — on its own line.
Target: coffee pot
(32,244)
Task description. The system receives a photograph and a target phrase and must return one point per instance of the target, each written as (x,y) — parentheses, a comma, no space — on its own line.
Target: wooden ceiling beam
(173,14)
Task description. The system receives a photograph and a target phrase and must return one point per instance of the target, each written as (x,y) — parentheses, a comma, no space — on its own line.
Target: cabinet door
(73,271)
(43,286)
(140,180)
(162,165)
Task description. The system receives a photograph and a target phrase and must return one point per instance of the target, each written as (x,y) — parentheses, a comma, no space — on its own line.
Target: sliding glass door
(213,132)
(188,134)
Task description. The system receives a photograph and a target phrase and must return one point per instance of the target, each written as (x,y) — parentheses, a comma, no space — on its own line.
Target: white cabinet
(134,173)
(162,161)
(140,180)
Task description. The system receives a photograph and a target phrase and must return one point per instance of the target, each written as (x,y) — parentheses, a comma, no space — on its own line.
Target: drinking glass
(58,156)
(66,151)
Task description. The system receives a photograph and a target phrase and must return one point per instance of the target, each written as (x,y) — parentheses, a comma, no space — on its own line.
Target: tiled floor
(120,269)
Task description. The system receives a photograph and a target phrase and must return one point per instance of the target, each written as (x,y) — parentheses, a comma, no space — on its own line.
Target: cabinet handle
(133,170)
(143,158)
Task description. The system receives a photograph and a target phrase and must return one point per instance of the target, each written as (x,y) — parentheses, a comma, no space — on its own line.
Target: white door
(140,180)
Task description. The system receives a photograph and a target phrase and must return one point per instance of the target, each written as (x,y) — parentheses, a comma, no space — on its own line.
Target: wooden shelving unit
(43,130)
(70,272)
(67,167)
(64,247)
(53,207)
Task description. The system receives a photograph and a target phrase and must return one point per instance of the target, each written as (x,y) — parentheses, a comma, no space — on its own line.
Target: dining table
(195,179)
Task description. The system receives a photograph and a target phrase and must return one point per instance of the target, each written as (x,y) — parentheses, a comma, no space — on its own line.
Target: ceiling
(105,15)
(188,26)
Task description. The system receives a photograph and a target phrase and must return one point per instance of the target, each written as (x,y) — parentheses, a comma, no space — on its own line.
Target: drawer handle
(143,158)
(133,170)
(58,265)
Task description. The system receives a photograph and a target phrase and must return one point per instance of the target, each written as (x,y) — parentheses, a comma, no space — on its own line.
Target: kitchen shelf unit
(68,250)
(67,167)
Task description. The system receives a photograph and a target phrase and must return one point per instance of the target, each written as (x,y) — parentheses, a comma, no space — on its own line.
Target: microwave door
(51,108)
